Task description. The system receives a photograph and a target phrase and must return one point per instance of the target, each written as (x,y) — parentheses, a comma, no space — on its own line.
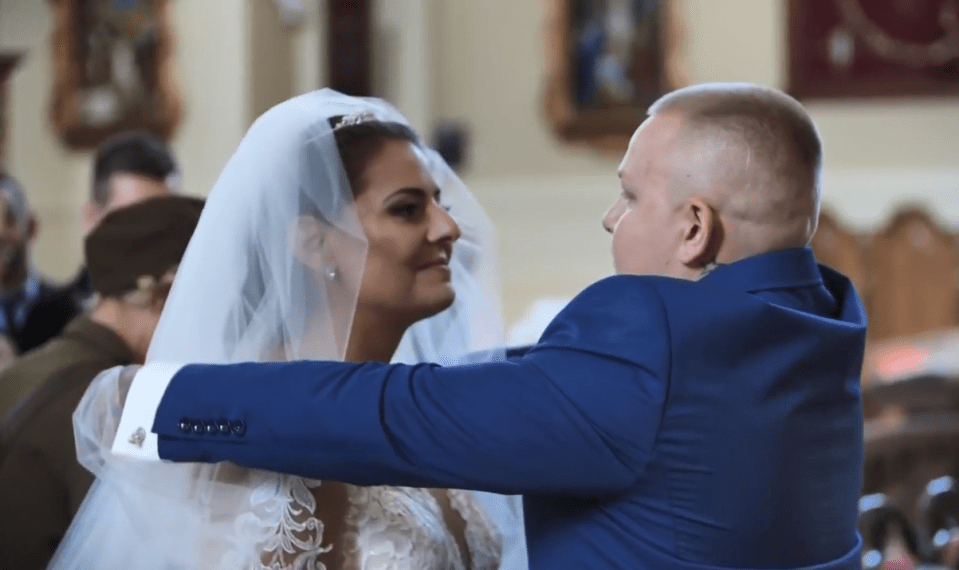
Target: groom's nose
(612,215)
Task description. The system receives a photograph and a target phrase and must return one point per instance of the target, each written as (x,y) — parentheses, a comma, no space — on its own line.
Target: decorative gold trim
(823,64)
(881,43)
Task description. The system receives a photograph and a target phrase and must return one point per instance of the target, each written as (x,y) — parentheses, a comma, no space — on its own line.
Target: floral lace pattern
(388,528)
(280,531)
(401,528)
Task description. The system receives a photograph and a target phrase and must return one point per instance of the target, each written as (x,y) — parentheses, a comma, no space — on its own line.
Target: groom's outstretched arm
(577,414)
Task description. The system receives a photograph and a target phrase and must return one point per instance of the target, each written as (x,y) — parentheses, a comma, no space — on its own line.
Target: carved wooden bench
(907,274)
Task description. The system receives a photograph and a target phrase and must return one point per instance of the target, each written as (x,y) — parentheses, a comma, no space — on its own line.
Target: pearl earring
(331,272)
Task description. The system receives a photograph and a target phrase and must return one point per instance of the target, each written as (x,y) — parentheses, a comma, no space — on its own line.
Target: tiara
(355,119)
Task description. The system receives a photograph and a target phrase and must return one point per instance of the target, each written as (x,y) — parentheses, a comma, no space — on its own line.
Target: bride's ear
(309,239)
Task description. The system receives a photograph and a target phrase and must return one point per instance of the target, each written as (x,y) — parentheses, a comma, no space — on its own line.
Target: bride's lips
(435,263)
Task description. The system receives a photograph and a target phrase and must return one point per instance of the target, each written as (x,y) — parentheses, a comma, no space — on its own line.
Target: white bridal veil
(241,294)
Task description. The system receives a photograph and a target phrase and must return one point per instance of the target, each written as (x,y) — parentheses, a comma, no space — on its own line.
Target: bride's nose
(442,225)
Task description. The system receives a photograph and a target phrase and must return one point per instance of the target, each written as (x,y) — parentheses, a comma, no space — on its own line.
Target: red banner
(864,48)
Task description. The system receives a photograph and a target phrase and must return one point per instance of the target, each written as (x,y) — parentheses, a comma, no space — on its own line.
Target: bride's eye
(405,210)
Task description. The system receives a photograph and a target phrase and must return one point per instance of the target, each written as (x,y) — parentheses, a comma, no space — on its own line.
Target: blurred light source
(902,360)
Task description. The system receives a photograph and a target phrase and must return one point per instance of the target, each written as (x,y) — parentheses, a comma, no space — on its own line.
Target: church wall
(480,63)
(213,75)
(547,198)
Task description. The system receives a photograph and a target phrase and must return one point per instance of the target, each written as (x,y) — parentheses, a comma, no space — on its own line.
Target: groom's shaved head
(717,173)
(754,152)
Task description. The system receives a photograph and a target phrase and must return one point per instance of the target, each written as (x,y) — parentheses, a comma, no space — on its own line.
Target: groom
(701,410)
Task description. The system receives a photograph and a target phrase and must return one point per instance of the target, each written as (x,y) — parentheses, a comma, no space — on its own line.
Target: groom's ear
(701,236)
(309,236)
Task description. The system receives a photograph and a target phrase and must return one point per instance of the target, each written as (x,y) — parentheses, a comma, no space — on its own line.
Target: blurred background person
(127,168)
(33,309)
(132,256)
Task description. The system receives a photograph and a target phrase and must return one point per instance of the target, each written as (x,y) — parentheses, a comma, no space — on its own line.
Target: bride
(330,234)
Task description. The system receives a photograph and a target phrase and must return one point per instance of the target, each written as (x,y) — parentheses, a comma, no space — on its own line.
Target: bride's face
(410,235)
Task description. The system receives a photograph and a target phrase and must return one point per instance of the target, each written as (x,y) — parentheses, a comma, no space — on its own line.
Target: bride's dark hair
(358,143)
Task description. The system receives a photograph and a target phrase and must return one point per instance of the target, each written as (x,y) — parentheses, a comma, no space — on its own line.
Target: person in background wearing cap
(128,167)
(132,257)
(32,310)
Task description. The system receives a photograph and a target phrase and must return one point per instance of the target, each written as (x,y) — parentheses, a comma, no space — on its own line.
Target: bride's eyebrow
(418,192)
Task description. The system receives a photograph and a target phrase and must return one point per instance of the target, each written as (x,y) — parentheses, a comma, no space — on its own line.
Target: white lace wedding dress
(374,528)
(241,291)
(403,528)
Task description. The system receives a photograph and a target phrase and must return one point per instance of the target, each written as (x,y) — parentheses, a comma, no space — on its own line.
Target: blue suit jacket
(658,423)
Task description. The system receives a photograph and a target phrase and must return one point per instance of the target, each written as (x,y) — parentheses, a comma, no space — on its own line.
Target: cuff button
(238,428)
(223,427)
(185,425)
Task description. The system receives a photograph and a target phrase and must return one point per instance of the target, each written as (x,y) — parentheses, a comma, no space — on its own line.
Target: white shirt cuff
(135,437)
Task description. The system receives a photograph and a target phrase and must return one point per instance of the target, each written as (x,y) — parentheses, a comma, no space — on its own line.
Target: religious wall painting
(113,66)
(869,48)
(607,61)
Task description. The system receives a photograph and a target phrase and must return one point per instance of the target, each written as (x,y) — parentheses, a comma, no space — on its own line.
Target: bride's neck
(373,338)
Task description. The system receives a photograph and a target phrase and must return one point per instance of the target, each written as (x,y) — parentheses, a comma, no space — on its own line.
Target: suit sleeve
(572,416)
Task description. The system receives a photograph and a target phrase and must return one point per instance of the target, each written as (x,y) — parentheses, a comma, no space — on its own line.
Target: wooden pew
(907,272)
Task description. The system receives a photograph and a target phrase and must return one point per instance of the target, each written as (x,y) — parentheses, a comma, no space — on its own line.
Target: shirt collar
(783,269)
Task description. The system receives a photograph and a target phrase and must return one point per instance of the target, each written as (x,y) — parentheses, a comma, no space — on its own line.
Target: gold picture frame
(651,63)
(113,66)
